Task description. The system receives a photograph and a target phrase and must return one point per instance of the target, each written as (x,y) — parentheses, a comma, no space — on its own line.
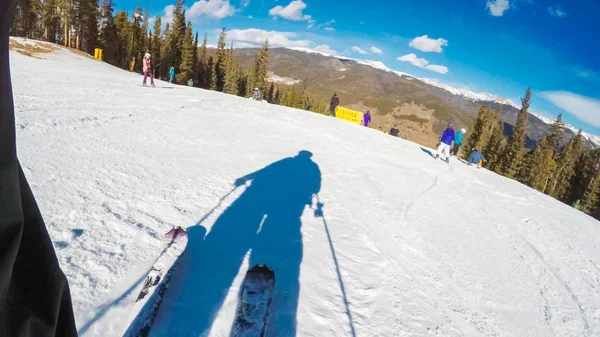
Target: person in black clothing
(394,131)
(35,300)
(335,101)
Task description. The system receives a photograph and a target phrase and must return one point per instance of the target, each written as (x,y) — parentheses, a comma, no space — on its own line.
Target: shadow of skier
(265,221)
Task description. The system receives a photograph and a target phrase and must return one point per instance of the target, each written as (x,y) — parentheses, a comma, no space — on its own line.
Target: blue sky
(495,46)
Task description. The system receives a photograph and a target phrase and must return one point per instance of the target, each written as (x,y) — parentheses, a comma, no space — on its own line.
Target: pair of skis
(255,295)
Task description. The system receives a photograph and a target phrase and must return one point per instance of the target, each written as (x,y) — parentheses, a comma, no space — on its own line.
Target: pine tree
(187,57)
(270,93)
(124,36)
(557,133)
(515,148)
(277,97)
(50,19)
(203,69)
(109,37)
(232,73)
(195,64)
(178,33)
(493,148)
(220,60)
(538,166)
(167,52)
(589,201)
(480,130)
(156,46)
(258,72)
(565,170)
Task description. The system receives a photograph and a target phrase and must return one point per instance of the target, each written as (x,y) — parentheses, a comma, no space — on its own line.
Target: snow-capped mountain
(466,93)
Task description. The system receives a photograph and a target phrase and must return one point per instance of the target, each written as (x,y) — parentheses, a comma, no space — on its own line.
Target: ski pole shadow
(264,223)
(319,214)
(428,152)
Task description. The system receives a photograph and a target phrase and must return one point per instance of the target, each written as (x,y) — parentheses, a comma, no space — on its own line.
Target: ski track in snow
(424,248)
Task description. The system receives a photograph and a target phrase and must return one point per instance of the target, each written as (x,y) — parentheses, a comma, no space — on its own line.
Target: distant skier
(458,141)
(476,158)
(367,118)
(394,131)
(172,74)
(190,83)
(147,67)
(335,101)
(256,94)
(445,142)
(577,204)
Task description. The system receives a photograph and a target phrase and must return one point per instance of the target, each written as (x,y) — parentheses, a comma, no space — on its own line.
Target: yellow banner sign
(351,116)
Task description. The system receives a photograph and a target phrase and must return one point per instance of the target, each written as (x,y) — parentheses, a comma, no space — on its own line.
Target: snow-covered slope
(405,246)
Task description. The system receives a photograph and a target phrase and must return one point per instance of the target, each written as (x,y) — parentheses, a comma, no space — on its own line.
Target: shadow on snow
(264,222)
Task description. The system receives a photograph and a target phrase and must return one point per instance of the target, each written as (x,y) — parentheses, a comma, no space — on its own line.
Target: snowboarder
(34,293)
(367,118)
(190,83)
(394,131)
(458,141)
(577,204)
(445,142)
(256,94)
(335,101)
(476,158)
(147,67)
(172,74)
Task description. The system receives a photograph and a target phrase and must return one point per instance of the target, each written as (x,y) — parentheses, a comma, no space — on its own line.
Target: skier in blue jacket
(458,141)
(172,74)
(476,158)
(445,142)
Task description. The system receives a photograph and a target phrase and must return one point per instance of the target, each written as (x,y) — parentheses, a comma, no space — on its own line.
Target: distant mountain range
(422,106)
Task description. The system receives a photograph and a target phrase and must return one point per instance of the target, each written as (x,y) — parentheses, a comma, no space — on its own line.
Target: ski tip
(261,266)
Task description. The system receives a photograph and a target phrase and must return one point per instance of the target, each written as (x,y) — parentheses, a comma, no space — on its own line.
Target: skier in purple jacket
(445,142)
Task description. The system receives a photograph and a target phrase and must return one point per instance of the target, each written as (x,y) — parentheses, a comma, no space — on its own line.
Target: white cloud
(217,9)
(168,14)
(293,12)
(497,7)
(426,44)
(376,50)
(584,108)
(244,3)
(556,12)
(325,49)
(587,74)
(329,29)
(359,50)
(258,36)
(422,63)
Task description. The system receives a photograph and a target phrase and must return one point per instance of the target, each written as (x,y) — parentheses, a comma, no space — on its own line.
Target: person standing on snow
(367,118)
(147,67)
(476,158)
(335,101)
(445,142)
(256,94)
(172,74)
(394,131)
(458,141)
(577,205)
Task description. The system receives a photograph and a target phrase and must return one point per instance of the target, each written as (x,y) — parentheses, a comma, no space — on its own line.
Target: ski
(150,297)
(255,302)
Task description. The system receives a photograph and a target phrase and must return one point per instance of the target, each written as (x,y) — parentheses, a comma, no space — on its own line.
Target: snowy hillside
(466,93)
(402,245)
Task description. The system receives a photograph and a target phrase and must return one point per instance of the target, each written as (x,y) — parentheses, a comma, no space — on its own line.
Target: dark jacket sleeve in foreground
(34,293)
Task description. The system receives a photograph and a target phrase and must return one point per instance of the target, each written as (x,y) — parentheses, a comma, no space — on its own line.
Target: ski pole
(217,206)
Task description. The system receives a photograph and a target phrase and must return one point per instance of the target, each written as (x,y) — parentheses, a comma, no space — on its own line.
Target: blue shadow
(428,152)
(264,222)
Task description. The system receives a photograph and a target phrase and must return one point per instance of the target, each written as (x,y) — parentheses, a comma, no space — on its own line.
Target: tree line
(566,171)
(124,38)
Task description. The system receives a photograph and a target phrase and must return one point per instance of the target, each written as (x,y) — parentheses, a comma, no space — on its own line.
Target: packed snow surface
(392,244)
